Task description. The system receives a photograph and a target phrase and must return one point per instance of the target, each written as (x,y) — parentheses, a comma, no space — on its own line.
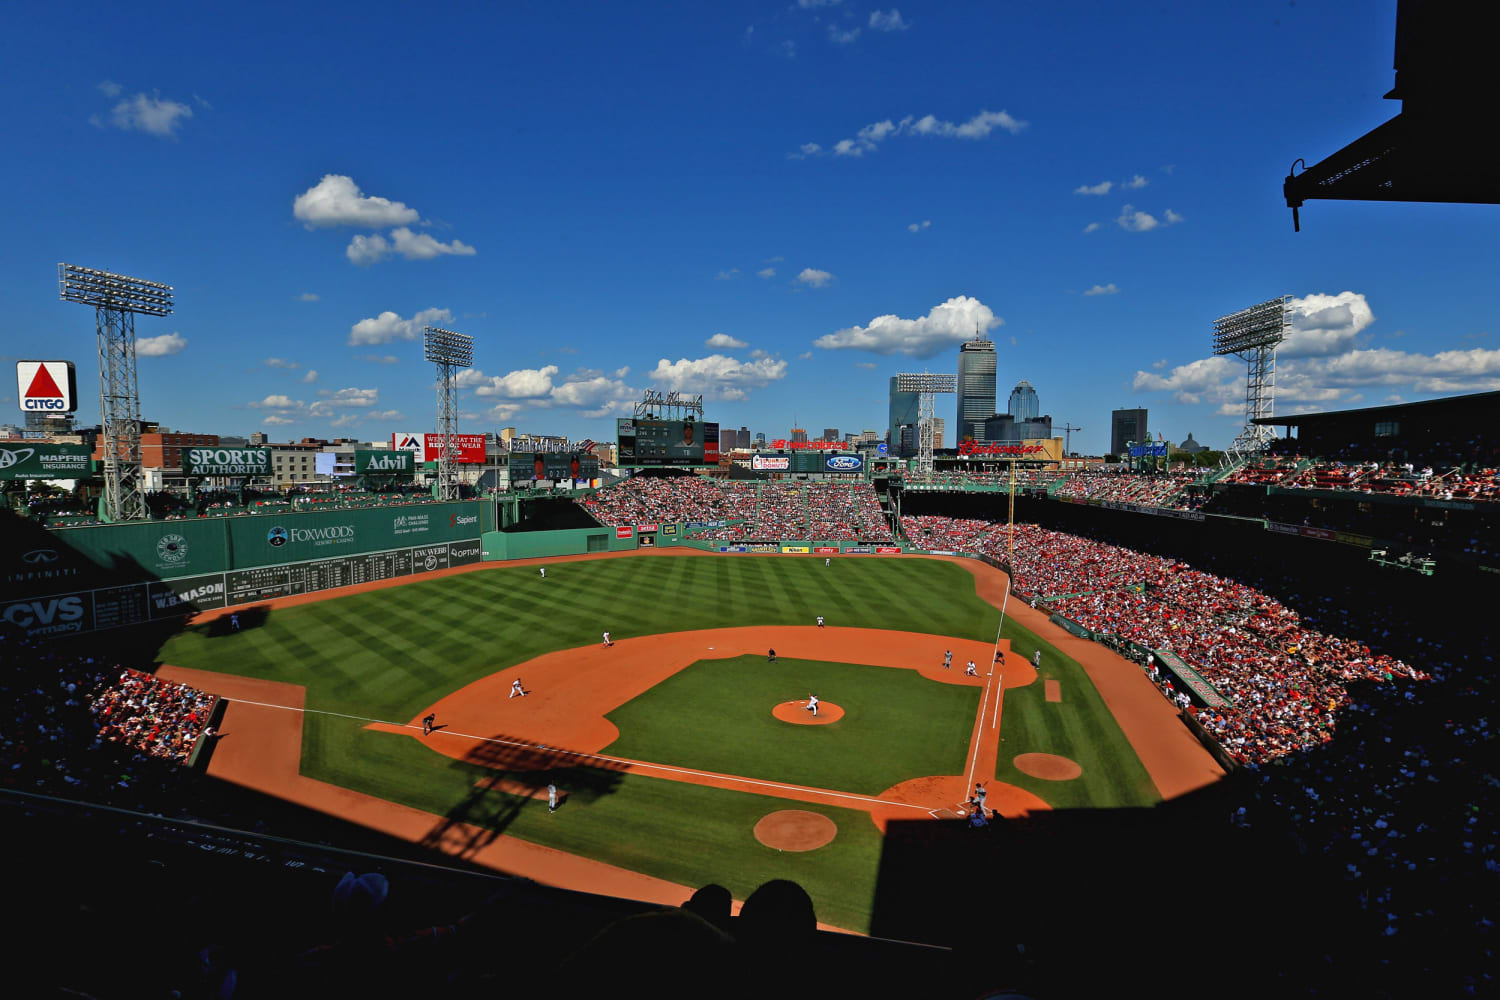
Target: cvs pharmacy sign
(47,386)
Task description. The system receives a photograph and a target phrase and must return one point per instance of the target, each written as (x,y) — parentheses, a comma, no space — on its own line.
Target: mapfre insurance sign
(47,386)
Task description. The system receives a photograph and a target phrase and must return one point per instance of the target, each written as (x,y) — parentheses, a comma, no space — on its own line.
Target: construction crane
(1068,430)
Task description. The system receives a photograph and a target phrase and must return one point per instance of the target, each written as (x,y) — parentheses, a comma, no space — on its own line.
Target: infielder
(551,797)
(820,621)
(812,704)
(969,671)
(948,659)
(427,721)
(606,640)
(516,689)
(1036,659)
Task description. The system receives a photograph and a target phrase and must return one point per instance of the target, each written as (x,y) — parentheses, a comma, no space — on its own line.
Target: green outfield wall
(58,582)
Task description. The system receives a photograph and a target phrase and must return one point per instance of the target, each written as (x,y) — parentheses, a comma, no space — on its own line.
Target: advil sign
(47,386)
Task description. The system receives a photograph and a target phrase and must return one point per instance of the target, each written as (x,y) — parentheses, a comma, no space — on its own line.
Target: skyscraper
(903,415)
(1024,404)
(830,434)
(976,388)
(1126,426)
(938,424)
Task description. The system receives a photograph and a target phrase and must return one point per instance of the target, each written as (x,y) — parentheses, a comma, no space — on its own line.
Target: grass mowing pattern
(387,654)
(622,819)
(716,716)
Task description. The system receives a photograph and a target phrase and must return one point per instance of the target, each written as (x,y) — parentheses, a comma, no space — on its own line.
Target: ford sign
(845,463)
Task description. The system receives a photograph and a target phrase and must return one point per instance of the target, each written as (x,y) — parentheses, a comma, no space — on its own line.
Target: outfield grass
(716,715)
(387,654)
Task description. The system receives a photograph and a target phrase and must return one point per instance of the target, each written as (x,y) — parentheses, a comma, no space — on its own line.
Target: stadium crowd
(1285,680)
(66,712)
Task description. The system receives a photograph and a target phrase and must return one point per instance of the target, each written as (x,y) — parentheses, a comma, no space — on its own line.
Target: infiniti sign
(40,557)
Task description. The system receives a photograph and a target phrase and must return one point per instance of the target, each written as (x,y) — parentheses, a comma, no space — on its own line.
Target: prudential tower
(976,386)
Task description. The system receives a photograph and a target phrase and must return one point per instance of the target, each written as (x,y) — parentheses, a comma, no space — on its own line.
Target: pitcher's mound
(796,713)
(1048,766)
(795,829)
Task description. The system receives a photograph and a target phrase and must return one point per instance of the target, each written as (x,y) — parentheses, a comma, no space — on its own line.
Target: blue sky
(778,205)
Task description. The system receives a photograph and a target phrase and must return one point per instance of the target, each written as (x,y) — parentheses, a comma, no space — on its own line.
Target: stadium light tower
(927,386)
(1253,334)
(116,299)
(449,351)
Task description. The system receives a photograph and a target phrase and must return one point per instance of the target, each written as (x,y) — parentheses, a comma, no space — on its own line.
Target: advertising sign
(844,463)
(669,529)
(47,386)
(226,462)
(1148,450)
(468,449)
(39,460)
(733,548)
(976,448)
(794,548)
(384,463)
(770,463)
(624,531)
(887,550)
(826,550)
(647,527)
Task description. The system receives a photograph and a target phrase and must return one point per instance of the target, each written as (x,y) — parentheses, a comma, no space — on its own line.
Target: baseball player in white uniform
(827,562)
(1036,658)
(969,671)
(542,570)
(948,659)
(820,621)
(516,689)
(812,704)
(551,798)
(606,640)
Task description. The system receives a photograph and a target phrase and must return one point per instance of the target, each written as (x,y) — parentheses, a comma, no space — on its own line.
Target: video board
(667,442)
(558,465)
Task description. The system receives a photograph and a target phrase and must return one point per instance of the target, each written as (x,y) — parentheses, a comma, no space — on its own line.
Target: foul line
(591,756)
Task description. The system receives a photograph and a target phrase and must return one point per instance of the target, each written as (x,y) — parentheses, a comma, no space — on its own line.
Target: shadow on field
(517,778)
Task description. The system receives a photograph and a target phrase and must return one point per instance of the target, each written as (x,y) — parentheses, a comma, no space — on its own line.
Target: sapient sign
(226,462)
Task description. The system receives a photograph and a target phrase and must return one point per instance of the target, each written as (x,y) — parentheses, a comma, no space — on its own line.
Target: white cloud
(1109,289)
(388,326)
(1135,183)
(724,341)
(344,399)
(140,113)
(1325,324)
(1091,227)
(809,4)
(733,272)
(867,365)
(869,138)
(717,374)
(1160,364)
(1192,381)
(1171,217)
(806,355)
(381,359)
(160,347)
(1103,187)
(344,420)
(766,272)
(813,277)
(310,377)
(281,363)
(363,250)
(917,227)
(1133,221)
(758,353)
(421,246)
(840,36)
(278,402)
(337,201)
(805,150)
(945,326)
(308,297)
(272,420)
(523,383)
(597,396)
(888,21)
(111,89)
(383,415)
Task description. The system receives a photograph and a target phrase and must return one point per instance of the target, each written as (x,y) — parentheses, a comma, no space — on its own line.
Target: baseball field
(681,755)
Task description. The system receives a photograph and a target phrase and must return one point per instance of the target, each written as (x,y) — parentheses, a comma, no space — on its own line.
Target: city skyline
(668,209)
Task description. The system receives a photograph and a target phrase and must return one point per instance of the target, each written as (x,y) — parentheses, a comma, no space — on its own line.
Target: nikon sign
(226,462)
(39,460)
(384,463)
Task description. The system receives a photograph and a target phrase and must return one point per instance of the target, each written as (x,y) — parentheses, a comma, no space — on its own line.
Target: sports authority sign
(468,449)
(226,461)
(47,386)
(39,460)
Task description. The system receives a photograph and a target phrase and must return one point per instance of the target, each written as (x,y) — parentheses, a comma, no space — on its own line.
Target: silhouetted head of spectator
(664,953)
(712,902)
(780,910)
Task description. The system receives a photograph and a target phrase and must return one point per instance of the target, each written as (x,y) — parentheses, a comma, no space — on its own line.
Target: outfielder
(551,797)
(543,571)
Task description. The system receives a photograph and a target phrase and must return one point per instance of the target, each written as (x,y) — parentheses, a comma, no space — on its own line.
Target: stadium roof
(1395,411)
